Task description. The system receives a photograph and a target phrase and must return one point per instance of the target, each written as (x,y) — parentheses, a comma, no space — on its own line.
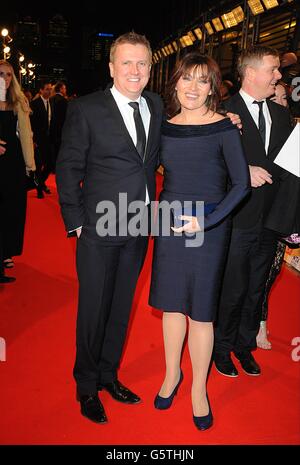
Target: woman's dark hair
(190,62)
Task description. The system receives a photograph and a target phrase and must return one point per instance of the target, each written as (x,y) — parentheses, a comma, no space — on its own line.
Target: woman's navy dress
(202,163)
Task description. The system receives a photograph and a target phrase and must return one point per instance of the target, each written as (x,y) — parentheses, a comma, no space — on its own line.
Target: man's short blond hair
(130,38)
(253,56)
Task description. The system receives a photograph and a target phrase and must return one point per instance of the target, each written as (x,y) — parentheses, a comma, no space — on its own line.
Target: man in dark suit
(41,120)
(109,146)
(59,104)
(266,127)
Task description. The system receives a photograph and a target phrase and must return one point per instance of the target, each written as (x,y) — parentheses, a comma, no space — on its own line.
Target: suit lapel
(151,126)
(116,115)
(252,132)
(42,106)
(275,129)
(43,110)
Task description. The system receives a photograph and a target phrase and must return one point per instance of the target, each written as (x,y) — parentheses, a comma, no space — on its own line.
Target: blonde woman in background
(16,160)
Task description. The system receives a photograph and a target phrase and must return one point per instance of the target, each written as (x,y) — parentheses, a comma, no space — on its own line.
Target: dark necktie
(140,130)
(261,121)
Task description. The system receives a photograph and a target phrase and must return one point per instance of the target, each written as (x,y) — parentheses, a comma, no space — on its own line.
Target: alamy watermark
(2,350)
(135,219)
(296,351)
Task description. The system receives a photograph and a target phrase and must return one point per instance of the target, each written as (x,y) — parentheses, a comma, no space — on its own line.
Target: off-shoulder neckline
(196,125)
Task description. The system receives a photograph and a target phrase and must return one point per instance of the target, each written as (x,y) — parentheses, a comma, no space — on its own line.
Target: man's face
(63,90)
(130,69)
(46,91)
(264,76)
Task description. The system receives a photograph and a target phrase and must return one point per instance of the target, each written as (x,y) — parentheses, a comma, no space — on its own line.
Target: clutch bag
(190,210)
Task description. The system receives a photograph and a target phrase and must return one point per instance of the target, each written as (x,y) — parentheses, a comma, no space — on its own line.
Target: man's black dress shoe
(120,392)
(6,279)
(225,365)
(92,408)
(249,364)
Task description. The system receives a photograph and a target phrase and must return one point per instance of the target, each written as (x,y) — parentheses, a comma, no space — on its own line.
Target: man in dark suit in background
(41,120)
(266,127)
(59,104)
(109,146)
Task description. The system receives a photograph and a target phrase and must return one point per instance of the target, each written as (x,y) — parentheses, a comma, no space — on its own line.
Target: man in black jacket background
(266,127)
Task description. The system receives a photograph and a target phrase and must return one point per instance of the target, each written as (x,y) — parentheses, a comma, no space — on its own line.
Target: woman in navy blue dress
(203,160)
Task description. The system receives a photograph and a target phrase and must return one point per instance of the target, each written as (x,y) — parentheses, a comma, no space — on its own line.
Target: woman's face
(280,96)
(6,74)
(193,88)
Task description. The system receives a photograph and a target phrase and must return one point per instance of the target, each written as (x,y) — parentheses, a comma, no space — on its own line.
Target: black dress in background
(13,193)
(199,160)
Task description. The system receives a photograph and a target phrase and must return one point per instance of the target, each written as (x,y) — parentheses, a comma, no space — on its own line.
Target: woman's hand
(191,227)
(2,149)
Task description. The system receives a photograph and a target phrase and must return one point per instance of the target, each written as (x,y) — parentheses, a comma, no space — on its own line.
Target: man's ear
(250,73)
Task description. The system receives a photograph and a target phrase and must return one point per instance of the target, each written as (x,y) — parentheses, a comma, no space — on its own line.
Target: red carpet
(37,402)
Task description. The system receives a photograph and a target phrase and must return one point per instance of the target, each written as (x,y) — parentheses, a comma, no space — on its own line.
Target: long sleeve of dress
(238,173)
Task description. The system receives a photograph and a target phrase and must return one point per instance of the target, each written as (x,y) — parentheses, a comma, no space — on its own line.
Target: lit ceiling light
(255,7)
(229,20)
(175,46)
(209,28)
(198,33)
(6,50)
(191,36)
(288,26)
(218,24)
(270,4)
(171,50)
(238,13)
(188,40)
(182,42)
(4,32)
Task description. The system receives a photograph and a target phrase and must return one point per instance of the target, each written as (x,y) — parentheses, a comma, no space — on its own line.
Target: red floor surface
(37,401)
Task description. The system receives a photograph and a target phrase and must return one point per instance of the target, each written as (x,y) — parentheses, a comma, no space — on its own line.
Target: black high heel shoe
(163,403)
(205,422)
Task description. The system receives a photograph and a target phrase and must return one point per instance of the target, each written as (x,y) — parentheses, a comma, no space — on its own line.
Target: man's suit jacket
(39,121)
(98,151)
(59,105)
(259,203)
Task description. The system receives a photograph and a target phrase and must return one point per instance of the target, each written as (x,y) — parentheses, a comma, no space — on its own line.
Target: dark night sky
(157,19)
(154,18)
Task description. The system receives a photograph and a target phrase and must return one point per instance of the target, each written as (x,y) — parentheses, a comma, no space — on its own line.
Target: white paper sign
(2,90)
(289,156)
